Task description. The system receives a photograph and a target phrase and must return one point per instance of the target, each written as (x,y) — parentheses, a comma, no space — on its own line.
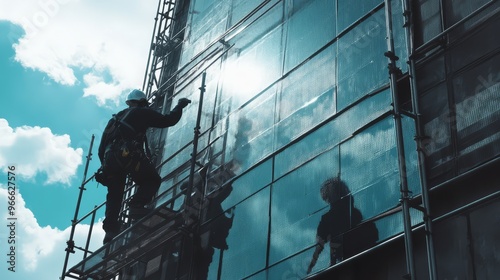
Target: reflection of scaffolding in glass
(165,79)
(159,83)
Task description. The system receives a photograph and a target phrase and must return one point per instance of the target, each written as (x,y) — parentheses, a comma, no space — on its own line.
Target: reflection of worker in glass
(339,219)
(215,236)
(209,192)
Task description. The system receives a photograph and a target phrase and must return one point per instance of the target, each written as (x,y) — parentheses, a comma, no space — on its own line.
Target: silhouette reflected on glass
(335,225)
(209,191)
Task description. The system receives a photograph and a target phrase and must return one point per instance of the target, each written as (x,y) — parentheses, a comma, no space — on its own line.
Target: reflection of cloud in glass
(304,118)
(296,206)
(291,235)
(247,240)
(374,152)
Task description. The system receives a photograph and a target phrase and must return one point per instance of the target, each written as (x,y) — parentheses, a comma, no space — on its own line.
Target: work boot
(110,235)
(137,212)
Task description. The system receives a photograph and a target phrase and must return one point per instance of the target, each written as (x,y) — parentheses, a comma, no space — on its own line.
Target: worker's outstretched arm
(155,119)
(320,244)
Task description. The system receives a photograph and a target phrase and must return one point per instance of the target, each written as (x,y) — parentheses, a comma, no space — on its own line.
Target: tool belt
(120,156)
(126,154)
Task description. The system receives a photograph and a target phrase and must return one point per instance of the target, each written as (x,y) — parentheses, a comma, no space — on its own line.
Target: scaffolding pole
(405,196)
(189,191)
(429,240)
(71,242)
(157,58)
(195,141)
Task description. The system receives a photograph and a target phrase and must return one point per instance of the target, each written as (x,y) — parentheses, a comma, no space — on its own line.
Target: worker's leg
(114,199)
(147,180)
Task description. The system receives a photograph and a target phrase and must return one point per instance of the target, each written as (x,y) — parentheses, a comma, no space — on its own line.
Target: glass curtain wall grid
(462,121)
(285,94)
(298,93)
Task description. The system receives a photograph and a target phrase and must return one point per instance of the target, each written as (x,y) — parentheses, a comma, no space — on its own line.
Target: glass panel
(208,21)
(213,240)
(313,144)
(459,9)
(376,189)
(259,276)
(251,131)
(431,73)
(302,40)
(452,248)
(468,51)
(391,225)
(362,66)
(164,195)
(306,102)
(247,240)
(485,241)
(436,122)
(209,117)
(360,115)
(428,19)
(253,31)
(241,8)
(477,97)
(296,200)
(299,91)
(350,11)
(251,69)
(182,133)
(303,119)
(183,157)
(183,130)
(249,184)
(332,133)
(296,267)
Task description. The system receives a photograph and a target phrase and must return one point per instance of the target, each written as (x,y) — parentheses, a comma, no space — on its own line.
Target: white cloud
(105,39)
(37,150)
(40,251)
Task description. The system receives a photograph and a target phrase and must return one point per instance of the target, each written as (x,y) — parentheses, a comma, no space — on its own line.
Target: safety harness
(121,151)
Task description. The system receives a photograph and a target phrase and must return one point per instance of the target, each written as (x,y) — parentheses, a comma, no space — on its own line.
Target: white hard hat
(136,95)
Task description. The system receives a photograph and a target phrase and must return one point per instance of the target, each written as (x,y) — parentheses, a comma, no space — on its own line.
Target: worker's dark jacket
(137,120)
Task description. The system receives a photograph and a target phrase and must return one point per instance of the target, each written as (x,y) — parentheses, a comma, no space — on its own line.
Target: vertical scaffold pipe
(188,204)
(195,142)
(431,255)
(405,198)
(71,242)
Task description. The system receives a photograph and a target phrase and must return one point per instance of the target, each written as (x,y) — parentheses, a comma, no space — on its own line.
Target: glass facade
(299,156)
(298,93)
(458,88)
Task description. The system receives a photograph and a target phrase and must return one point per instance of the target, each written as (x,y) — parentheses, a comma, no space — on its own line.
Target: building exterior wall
(298,92)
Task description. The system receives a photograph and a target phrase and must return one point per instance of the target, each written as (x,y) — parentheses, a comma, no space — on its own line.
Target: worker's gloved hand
(183,102)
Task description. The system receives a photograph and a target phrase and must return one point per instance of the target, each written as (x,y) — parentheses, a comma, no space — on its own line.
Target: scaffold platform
(152,231)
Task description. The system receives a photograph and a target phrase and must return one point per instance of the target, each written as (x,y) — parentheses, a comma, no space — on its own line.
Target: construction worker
(121,152)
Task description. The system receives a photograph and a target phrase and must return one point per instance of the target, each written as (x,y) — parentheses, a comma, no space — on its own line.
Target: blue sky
(65,67)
